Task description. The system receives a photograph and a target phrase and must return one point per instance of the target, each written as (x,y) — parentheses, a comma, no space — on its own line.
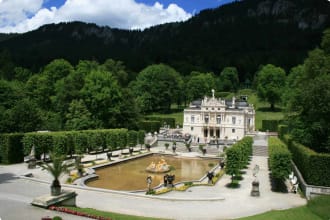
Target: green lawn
(266,115)
(300,213)
(177,115)
(316,209)
(262,108)
(111,215)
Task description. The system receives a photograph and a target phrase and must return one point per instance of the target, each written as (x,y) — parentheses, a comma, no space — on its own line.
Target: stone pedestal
(66,198)
(255,188)
(32,163)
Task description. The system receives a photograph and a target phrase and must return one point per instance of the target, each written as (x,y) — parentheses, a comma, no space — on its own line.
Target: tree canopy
(157,87)
(309,106)
(270,84)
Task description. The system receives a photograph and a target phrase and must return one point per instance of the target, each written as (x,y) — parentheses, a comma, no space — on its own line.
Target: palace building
(217,119)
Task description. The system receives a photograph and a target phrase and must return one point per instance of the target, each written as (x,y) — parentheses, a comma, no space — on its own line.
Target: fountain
(161,167)
(131,175)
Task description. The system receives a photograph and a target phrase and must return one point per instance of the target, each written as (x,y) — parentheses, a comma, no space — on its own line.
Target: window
(218,119)
(192,119)
(206,119)
(233,120)
(233,130)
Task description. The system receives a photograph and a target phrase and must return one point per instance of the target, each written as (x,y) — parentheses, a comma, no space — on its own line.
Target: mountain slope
(244,34)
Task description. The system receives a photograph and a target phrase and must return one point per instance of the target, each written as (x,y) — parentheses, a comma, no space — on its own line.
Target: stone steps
(260,151)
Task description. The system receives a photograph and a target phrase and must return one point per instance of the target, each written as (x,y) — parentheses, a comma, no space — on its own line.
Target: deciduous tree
(270,84)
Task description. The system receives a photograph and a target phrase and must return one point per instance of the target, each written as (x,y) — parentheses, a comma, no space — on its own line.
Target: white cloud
(15,11)
(126,14)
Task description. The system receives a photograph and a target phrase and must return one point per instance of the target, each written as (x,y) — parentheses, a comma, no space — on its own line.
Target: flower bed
(73,212)
(185,186)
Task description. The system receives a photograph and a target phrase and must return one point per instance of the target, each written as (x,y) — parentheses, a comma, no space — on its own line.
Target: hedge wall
(11,148)
(313,166)
(279,158)
(150,126)
(168,121)
(282,130)
(270,125)
(78,142)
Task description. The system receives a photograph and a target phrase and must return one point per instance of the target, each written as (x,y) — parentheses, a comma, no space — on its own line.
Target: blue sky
(26,15)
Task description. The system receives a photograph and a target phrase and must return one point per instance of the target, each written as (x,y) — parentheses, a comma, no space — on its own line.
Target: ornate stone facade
(217,119)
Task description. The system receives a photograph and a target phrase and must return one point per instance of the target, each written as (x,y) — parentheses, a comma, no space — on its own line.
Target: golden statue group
(160,167)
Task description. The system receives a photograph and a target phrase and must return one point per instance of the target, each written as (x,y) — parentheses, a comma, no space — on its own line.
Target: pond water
(131,175)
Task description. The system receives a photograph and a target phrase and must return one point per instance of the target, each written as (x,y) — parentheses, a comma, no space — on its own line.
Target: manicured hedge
(132,138)
(238,156)
(11,148)
(43,142)
(141,136)
(282,130)
(279,158)
(315,167)
(270,125)
(168,121)
(150,126)
(79,142)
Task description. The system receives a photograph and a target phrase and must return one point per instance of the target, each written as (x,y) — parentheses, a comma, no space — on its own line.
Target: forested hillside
(244,34)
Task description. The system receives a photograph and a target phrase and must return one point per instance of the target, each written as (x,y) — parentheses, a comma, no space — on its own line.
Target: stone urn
(255,188)
(131,150)
(174,148)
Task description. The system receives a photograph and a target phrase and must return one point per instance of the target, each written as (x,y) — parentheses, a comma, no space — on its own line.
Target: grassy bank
(177,115)
(111,215)
(316,209)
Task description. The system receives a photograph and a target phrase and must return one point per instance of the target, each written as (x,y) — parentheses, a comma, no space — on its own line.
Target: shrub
(162,121)
(238,156)
(282,130)
(313,166)
(150,126)
(270,125)
(11,148)
(279,158)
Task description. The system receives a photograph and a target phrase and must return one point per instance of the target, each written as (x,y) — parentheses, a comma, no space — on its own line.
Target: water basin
(132,175)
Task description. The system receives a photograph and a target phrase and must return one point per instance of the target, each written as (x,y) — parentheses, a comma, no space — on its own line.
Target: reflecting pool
(131,175)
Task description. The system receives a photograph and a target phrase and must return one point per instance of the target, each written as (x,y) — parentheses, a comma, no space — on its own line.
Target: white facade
(216,118)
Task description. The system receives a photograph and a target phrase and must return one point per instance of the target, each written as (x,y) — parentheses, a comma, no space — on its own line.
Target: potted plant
(56,168)
(174,146)
(148,146)
(167,145)
(202,149)
(188,147)
(131,150)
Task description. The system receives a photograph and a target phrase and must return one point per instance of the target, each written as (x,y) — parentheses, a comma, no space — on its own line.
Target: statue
(170,179)
(255,184)
(149,181)
(165,180)
(255,170)
(161,167)
(210,176)
(32,158)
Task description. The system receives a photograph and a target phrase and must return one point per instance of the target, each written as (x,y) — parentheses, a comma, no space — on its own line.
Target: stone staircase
(260,150)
